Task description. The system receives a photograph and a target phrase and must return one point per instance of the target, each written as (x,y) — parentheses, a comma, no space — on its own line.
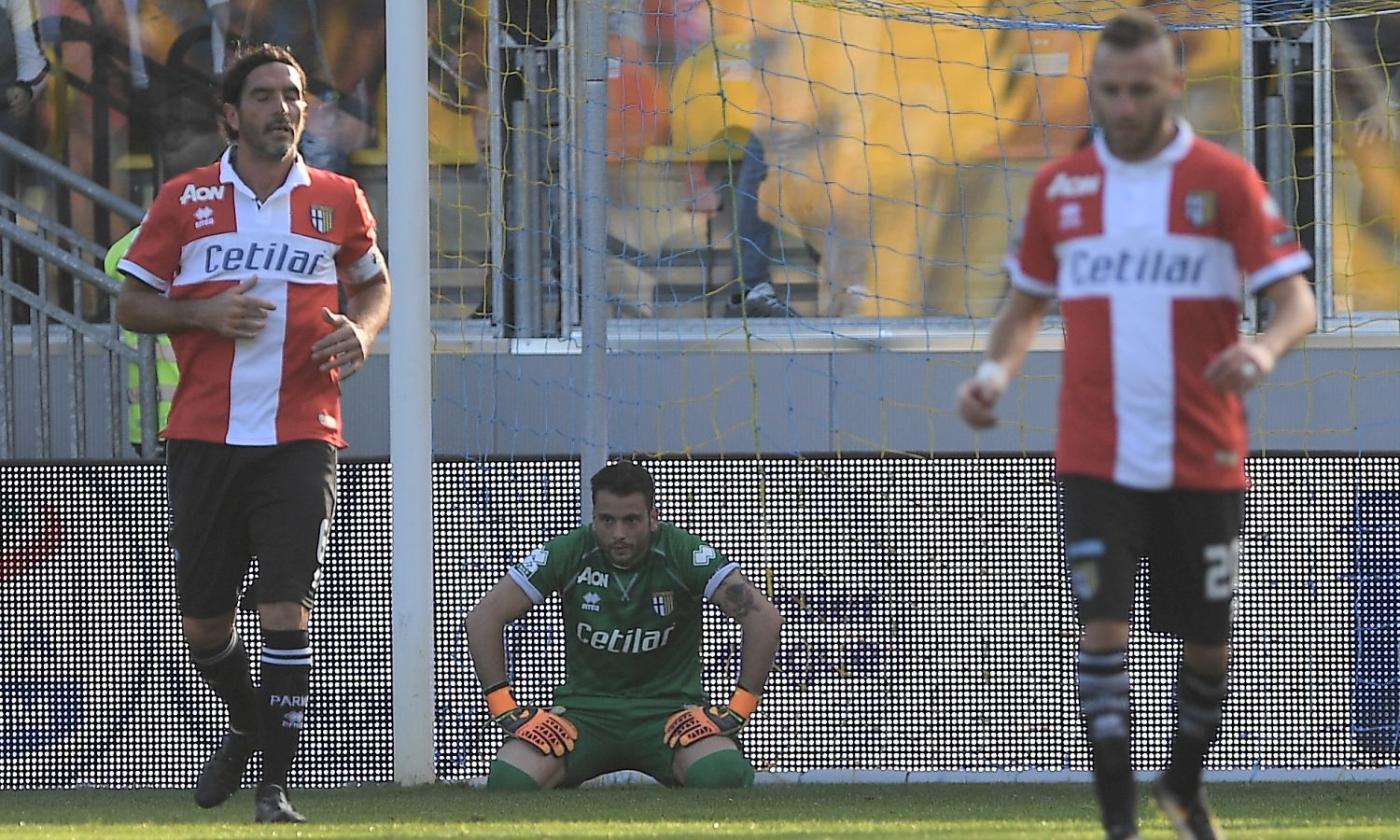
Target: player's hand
(1378,124)
(235,313)
(544,730)
(1240,367)
(345,348)
(695,723)
(18,98)
(977,397)
(547,732)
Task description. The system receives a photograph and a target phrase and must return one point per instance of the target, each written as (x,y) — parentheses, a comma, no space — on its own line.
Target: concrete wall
(709,402)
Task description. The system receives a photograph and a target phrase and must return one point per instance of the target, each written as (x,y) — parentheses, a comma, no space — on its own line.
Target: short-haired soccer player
(1146,236)
(632,588)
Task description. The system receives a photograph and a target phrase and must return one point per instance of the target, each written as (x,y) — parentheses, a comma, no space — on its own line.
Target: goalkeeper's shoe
(223,772)
(273,807)
(695,723)
(550,733)
(1191,819)
(1122,832)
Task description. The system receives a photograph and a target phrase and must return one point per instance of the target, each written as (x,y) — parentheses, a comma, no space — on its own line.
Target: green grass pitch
(1269,811)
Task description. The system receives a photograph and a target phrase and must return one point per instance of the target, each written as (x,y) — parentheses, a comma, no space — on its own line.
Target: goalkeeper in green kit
(632,588)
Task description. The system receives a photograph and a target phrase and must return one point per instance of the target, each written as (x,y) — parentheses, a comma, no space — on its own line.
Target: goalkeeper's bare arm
(539,738)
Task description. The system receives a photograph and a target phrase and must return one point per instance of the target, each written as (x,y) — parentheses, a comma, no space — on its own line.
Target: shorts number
(1222,565)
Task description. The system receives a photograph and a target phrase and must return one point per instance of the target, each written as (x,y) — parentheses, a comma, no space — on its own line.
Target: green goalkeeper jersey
(630,635)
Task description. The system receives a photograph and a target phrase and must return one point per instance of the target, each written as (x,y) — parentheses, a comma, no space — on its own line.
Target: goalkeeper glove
(686,727)
(547,732)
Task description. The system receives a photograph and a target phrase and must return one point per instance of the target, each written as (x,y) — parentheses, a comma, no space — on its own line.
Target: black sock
(1199,699)
(1103,698)
(286,682)
(225,669)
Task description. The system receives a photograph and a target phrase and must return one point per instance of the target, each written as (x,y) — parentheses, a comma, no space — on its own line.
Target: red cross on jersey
(206,233)
(1147,259)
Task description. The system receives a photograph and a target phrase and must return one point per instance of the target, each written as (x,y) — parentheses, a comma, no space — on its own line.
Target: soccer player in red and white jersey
(1145,237)
(242,263)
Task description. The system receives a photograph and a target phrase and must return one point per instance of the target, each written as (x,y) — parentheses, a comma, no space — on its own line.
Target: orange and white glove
(542,729)
(694,723)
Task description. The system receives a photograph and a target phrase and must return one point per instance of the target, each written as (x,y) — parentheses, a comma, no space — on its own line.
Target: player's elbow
(133,308)
(1296,303)
(485,622)
(126,314)
(478,624)
(1308,304)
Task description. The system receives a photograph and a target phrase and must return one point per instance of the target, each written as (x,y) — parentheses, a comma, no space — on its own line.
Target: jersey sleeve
(703,567)
(359,259)
(1266,247)
(154,256)
(1032,263)
(548,567)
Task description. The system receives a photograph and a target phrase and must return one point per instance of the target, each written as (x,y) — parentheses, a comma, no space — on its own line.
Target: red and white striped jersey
(1147,259)
(205,233)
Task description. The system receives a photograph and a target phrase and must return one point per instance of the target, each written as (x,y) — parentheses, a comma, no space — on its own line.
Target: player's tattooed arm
(741,601)
(737,597)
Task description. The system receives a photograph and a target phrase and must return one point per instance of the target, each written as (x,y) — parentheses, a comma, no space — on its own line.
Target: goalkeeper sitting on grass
(631,588)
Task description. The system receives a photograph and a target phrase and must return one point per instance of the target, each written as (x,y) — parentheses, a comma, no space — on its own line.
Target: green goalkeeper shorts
(615,736)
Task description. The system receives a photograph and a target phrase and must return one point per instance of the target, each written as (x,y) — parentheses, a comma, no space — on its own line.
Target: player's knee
(205,634)
(506,776)
(1105,634)
(723,769)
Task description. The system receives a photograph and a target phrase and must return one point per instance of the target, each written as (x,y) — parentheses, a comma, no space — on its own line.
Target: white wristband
(992,374)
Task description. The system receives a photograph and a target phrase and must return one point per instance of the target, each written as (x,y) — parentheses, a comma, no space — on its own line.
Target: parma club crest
(1200,207)
(662,603)
(322,218)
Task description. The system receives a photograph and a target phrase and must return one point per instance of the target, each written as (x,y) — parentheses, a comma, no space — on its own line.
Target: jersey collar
(1172,153)
(296,177)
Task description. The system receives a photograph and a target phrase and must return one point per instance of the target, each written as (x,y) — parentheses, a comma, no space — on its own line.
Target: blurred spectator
(672,31)
(457,46)
(23,72)
(84,123)
(755,296)
(1367,56)
(1366,60)
(180,104)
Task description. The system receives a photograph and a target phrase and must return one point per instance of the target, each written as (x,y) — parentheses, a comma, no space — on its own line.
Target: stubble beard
(273,147)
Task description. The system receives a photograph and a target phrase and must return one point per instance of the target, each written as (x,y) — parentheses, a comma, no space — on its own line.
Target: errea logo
(203,217)
(591,601)
(194,193)
(1073,186)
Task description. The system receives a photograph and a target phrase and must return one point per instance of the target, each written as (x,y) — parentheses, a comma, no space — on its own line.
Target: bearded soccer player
(1146,236)
(632,589)
(241,263)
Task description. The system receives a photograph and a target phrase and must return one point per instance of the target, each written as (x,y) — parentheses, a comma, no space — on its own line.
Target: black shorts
(1189,537)
(229,504)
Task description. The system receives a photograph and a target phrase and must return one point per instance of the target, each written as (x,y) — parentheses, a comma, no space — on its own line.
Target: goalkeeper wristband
(744,702)
(500,699)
